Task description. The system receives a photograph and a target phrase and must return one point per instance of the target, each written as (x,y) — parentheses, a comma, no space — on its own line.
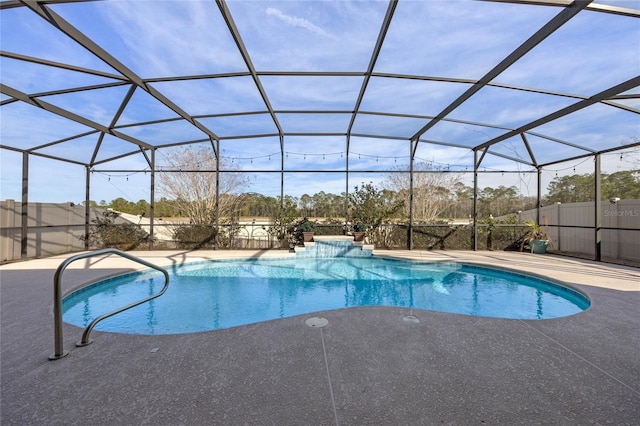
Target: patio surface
(367,366)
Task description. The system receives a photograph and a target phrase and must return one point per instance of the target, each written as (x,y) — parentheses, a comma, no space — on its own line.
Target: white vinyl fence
(53,228)
(571,228)
(57,228)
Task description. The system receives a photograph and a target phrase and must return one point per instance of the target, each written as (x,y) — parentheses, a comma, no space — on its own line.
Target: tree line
(436,196)
(497,201)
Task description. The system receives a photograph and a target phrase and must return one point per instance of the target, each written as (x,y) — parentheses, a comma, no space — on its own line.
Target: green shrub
(105,233)
(195,237)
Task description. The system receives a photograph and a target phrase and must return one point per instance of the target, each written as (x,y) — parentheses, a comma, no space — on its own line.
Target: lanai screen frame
(126,77)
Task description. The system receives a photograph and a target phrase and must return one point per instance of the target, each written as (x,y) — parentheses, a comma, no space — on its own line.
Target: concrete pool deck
(367,366)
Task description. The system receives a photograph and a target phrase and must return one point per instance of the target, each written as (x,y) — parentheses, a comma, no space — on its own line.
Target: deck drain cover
(317,322)
(411,318)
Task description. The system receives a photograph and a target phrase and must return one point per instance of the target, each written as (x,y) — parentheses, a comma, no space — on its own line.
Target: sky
(457,39)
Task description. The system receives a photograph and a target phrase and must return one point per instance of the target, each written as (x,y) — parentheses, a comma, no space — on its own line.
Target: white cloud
(299,22)
(342,37)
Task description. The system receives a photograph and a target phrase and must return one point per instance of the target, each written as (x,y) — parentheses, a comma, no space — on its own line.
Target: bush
(105,233)
(195,237)
(442,237)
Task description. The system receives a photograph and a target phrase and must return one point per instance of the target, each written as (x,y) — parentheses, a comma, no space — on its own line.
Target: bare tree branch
(195,191)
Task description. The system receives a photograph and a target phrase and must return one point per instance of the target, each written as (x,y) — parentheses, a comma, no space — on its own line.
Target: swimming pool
(227,293)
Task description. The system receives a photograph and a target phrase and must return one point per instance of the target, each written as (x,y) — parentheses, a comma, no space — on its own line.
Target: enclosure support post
(538,195)
(216,237)
(346,187)
(24,213)
(87,207)
(152,197)
(597,206)
(411,161)
(281,212)
(475,200)
(559,225)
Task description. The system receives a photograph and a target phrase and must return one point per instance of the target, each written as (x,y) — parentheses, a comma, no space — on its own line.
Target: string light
(573,167)
(109,176)
(378,158)
(324,156)
(361,156)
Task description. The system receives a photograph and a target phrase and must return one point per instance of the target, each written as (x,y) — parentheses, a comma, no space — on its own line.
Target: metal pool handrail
(57,298)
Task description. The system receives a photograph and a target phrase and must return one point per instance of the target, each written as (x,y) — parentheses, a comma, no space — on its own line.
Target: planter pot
(307,237)
(358,236)
(539,246)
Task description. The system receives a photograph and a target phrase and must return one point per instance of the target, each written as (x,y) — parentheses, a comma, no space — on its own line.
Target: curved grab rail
(57,298)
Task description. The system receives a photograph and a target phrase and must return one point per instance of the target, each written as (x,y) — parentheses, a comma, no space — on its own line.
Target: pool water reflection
(221,294)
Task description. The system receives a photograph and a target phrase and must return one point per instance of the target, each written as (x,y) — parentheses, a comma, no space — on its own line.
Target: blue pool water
(222,294)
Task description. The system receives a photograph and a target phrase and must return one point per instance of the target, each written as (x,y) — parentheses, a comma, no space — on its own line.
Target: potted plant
(359,230)
(307,228)
(535,238)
